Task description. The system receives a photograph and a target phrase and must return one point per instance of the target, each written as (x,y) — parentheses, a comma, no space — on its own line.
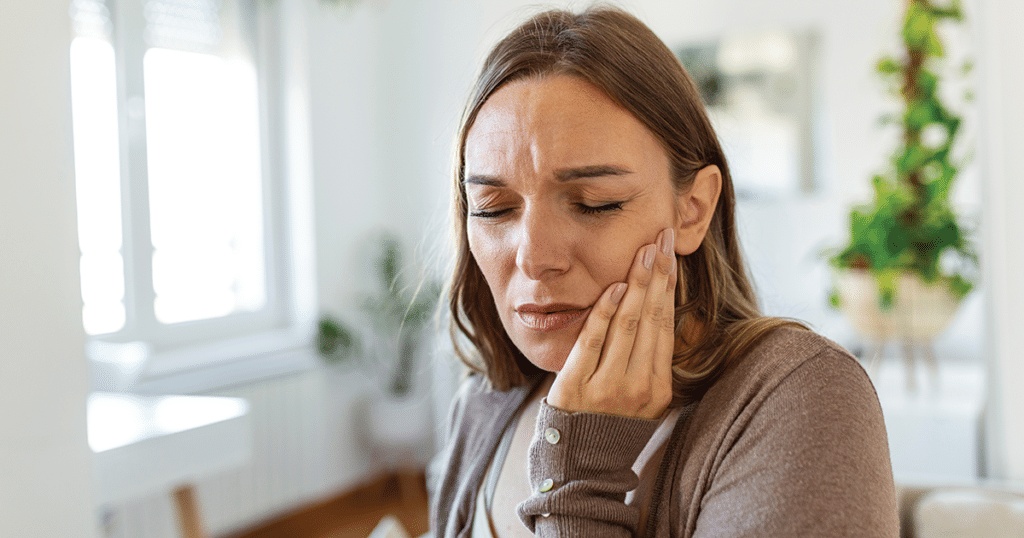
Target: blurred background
(237,200)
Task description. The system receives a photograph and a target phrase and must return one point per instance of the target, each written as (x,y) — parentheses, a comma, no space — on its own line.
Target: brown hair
(622,57)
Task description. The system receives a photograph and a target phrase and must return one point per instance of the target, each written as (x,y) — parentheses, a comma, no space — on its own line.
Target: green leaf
(914,158)
(888,119)
(888,66)
(932,44)
(953,12)
(942,185)
(952,124)
(917,26)
(918,114)
(886,281)
(335,340)
(960,286)
(880,186)
(833,298)
(927,82)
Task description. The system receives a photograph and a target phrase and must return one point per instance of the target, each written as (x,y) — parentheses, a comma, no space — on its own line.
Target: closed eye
(485,214)
(604,208)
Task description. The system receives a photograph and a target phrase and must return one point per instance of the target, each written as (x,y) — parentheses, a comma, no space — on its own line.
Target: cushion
(973,513)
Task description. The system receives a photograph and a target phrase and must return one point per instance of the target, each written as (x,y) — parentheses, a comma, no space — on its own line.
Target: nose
(543,250)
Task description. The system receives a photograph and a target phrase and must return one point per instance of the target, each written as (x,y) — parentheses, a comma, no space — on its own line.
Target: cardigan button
(546,485)
(552,435)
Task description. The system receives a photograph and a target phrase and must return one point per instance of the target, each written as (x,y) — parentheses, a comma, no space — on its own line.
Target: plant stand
(934,435)
(910,351)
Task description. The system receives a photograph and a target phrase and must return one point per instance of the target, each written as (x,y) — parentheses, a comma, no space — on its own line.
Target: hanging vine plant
(910,226)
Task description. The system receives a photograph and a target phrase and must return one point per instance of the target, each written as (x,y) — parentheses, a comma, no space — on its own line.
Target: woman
(624,382)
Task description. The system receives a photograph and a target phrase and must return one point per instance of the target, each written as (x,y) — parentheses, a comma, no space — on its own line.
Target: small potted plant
(396,316)
(394,421)
(909,261)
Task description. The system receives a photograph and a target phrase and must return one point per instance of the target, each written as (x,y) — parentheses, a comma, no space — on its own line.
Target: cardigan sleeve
(580,468)
(811,460)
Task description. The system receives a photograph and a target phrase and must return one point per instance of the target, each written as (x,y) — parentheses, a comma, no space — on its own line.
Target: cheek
(615,259)
(486,249)
(478,247)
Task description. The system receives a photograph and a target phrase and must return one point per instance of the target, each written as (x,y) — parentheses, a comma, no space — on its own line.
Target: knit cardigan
(790,441)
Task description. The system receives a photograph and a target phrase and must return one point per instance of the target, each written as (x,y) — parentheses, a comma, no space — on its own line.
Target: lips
(552,317)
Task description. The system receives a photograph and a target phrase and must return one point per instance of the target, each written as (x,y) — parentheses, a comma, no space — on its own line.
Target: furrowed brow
(583,172)
(561,175)
(482,179)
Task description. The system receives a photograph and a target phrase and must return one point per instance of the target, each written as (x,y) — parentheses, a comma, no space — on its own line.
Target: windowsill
(226,363)
(240,371)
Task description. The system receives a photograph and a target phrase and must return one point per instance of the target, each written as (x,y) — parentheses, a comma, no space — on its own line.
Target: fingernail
(618,292)
(648,259)
(668,240)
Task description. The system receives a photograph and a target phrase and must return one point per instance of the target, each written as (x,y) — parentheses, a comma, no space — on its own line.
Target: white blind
(91,18)
(191,25)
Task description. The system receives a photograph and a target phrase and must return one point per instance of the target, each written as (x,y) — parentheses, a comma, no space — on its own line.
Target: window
(172,159)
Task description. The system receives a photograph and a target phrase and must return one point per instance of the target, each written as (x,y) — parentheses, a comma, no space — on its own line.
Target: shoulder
(477,408)
(795,375)
(472,397)
(797,416)
(787,348)
(476,390)
(792,374)
(472,385)
(787,356)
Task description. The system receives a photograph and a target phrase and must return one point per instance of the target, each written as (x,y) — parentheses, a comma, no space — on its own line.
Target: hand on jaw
(621,363)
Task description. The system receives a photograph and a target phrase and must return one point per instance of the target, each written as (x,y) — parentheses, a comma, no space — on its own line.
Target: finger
(654,314)
(586,352)
(624,324)
(662,366)
(567,391)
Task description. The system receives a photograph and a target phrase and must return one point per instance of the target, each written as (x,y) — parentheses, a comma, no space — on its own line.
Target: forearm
(581,479)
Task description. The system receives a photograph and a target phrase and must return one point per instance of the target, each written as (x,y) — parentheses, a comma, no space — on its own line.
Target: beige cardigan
(788,442)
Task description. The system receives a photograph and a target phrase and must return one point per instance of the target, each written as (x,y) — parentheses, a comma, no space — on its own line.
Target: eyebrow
(561,175)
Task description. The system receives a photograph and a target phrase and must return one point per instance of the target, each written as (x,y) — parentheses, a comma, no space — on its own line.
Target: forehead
(555,121)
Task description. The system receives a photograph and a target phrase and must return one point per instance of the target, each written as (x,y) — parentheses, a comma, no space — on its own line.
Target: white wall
(45,462)
(1003,112)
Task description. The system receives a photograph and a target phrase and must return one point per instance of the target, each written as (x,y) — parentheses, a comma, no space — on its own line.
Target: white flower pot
(400,423)
(399,432)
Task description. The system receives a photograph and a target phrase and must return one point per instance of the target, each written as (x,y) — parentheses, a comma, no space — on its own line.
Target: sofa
(985,509)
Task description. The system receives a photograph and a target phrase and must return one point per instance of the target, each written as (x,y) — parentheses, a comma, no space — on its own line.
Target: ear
(695,209)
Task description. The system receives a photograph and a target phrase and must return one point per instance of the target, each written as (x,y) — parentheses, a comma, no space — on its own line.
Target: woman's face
(564,186)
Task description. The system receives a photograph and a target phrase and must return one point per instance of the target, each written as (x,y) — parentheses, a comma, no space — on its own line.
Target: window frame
(229,344)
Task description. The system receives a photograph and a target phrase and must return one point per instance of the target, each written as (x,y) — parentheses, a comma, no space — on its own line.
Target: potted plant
(395,421)
(909,261)
(396,316)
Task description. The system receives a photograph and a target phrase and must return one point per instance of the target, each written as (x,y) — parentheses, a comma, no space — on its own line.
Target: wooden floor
(356,513)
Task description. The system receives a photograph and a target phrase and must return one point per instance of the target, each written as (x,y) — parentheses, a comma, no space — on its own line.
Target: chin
(550,358)
(547,351)
(549,364)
